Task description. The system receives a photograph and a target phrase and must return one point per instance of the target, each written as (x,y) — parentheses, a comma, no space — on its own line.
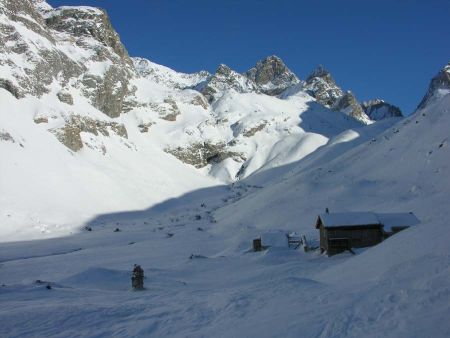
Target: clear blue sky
(386,49)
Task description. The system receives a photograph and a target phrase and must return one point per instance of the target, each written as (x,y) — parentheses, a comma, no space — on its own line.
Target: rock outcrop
(73,46)
(225,79)
(348,105)
(321,85)
(70,134)
(272,76)
(201,154)
(166,76)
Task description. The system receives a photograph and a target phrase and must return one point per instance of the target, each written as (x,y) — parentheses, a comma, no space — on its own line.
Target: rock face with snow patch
(28,50)
(43,37)
(225,79)
(321,85)
(439,87)
(201,154)
(272,76)
(348,104)
(378,110)
(167,76)
(70,134)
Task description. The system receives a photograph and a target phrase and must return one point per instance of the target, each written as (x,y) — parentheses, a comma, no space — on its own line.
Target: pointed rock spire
(271,75)
(321,85)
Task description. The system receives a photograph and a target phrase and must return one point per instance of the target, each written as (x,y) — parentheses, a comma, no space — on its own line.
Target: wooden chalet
(343,231)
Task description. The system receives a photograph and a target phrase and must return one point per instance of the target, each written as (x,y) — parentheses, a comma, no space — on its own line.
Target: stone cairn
(137,279)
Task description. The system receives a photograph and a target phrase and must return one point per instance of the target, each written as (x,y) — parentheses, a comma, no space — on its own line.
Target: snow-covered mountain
(125,161)
(79,93)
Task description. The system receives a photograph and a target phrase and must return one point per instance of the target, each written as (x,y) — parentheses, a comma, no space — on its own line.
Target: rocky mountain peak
(166,76)
(223,70)
(321,85)
(439,87)
(272,75)
(225,79)
(379,109)
(41,6)
(321,72)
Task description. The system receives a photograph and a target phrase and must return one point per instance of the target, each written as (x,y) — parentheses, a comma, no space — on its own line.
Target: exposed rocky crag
(70,134)
(225,79)
(378,110)
(201,154)
(439,87)
(348,104)
(167,76)
(272,76)
(98,66)
(321,85)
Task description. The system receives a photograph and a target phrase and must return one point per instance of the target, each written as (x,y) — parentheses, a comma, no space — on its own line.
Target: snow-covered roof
(404,219)
(387,220)
(338,219)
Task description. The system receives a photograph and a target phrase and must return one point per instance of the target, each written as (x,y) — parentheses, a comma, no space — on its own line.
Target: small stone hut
(346,230)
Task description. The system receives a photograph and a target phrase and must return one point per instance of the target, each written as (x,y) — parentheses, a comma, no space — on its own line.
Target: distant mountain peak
(271,75)
(224,70)
(321,85)
(320,71)
(439,87)
(225,79)
(379,109)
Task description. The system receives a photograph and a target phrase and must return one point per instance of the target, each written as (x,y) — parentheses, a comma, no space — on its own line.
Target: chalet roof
(404,219)
(355,219)
(339,219)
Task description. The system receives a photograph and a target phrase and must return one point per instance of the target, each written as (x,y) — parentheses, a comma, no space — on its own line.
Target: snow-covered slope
(48,190)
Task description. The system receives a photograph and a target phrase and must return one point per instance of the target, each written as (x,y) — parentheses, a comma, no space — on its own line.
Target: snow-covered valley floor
(203,281)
